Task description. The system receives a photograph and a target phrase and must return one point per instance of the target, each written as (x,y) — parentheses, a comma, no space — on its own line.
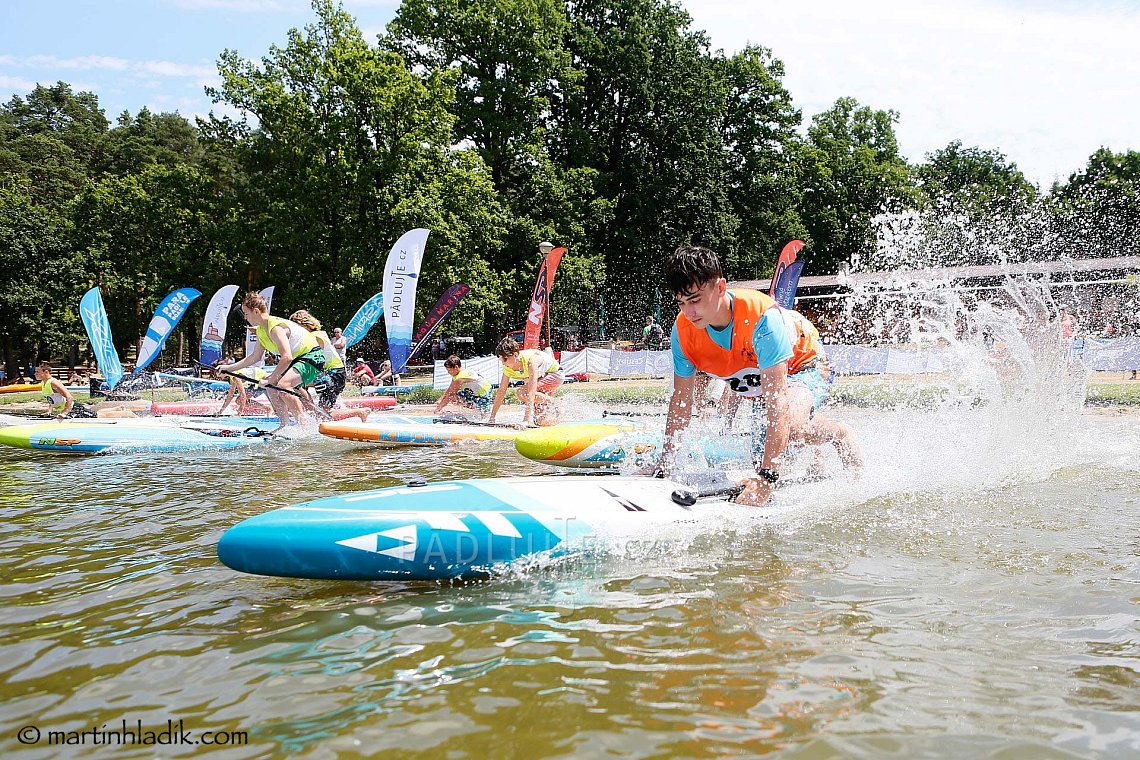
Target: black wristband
(770,475)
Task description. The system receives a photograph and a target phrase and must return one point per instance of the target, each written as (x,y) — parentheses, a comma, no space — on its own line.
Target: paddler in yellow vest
(55,393)
(467,388)
(330,383)
(761,351)
(237,388)
(301,359)
(540,372)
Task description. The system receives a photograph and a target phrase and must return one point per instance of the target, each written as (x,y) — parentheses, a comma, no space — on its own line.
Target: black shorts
(81,411)
(329,386)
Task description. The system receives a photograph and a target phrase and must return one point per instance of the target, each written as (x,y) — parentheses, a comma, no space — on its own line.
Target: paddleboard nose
(16,435)
(576,445)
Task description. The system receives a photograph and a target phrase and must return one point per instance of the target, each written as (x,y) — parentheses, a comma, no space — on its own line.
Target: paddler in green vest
(301,359)
(55,393)
(541,376)
(467,389)
(330,384)
(237,388)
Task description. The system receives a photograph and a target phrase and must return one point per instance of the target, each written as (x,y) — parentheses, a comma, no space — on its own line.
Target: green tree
(54,138)
(145,234)
(851,172)
(41,280)
(760,143)
(165,139)
(507,60)
(350,150)
(647,116)
(1097,211)
(971,180)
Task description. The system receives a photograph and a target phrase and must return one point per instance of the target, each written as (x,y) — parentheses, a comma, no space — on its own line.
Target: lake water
(974,595)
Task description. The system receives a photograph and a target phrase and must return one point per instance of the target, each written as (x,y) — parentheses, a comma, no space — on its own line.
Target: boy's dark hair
(506,347)
(690,267)
(453,361)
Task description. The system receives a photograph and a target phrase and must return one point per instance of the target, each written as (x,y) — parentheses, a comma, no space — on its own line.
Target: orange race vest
(738,366)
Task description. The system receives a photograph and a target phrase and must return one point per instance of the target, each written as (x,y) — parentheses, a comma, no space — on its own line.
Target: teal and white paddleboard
(90,436)
(463,528)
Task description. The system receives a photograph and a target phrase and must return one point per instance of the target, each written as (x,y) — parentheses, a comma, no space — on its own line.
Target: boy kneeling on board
(467,389)
(540,371)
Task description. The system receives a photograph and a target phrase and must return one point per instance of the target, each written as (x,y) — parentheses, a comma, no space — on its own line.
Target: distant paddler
(301,359)
(762,351)
(541,374)
(237,389)
(56,393)
(467,389)
(330,383)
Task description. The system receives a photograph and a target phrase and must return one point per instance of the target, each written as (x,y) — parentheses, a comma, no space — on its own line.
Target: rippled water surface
(975,595)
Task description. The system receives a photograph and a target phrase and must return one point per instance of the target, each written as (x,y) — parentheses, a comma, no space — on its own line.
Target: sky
(1045,82)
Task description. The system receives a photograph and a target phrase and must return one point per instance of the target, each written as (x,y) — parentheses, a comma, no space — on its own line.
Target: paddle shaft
(462,421)
(303,396)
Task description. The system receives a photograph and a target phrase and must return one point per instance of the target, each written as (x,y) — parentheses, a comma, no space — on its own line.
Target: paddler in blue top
(467,388)
(761,351)
(540,371)
(301,359)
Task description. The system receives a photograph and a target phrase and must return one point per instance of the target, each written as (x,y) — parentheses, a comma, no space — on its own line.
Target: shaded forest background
(606,126)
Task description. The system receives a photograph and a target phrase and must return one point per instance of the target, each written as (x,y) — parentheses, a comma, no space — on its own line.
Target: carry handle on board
(305,400)
(712,486)
(687,498)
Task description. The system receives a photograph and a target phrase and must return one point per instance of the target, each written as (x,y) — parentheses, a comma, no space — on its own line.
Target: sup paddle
(304,397)
(464,421)
(607,413)
(687,497)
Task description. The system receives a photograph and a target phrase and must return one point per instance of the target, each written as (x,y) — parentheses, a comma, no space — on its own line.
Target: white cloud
(80,63)
(51,63)
(16,84)
(1046,88)
(170,69)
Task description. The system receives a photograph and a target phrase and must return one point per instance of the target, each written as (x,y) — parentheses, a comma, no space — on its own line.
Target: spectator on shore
(1069,324)
(386,377)
(340,344)
(652,335)
(362,373)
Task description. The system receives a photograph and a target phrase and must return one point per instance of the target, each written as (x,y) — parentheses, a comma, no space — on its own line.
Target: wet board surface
(464,528)
(94,436)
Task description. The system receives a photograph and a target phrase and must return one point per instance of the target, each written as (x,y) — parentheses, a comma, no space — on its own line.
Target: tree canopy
(606,126)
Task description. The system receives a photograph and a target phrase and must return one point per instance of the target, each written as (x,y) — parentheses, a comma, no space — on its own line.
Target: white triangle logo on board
(370,542)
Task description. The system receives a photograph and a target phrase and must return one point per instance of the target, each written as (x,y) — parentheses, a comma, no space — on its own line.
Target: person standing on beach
(761,351)
(340,345)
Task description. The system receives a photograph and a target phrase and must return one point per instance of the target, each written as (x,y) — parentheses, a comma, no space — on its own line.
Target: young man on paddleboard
(540,371)
(55,393)
(761,351)
(467,389)
(301,359)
